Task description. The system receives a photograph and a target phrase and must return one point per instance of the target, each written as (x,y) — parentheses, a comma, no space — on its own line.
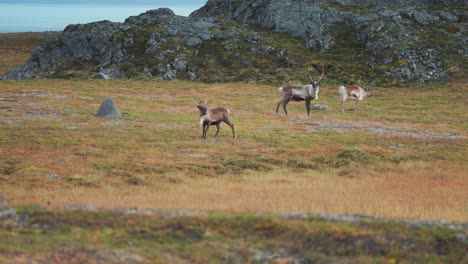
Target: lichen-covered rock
(421,65)
(387,30)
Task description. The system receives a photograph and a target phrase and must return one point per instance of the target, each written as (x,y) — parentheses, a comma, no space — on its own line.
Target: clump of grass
(171,178)
(10,166)
(352,161)
(301,165)
(135,180)
(15,167)
(348,156)
(238,165)
(85,181)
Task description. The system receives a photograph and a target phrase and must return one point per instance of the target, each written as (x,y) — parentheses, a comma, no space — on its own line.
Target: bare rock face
(400,36)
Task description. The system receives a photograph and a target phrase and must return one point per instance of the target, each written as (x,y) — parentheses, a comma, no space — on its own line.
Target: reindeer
(305,93)
(355,92)
(213,116)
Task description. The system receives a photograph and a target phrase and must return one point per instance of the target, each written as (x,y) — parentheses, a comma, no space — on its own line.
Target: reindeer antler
(310,76)
(359,81)
(323,72)
(195,102)
(206,102)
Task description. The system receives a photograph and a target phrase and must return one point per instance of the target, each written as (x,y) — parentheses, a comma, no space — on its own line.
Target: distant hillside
(266,42)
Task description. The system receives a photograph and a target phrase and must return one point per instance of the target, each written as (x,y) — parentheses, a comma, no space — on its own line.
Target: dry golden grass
(426,194)
(153,156)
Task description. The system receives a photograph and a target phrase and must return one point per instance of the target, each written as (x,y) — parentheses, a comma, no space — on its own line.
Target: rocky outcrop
(404,38)
(87,44)
(157,44)
(108,50)
(420,41)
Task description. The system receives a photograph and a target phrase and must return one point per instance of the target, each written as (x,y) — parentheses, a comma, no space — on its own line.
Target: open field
(403,154)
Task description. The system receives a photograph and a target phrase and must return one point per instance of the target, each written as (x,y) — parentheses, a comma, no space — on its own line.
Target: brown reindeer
(305,93)
(355,92)
(213,117)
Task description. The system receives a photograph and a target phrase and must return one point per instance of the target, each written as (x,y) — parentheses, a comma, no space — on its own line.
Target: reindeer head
(368,92)
(366,86)
(203,107)
(316,84)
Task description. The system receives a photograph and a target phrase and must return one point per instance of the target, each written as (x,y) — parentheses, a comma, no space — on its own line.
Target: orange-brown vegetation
(404,154)
(55,152)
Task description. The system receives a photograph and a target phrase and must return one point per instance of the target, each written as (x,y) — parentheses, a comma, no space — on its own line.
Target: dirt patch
(382,129)
(57,96)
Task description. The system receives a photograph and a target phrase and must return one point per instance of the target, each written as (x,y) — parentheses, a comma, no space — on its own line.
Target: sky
(46,15)
(106,2)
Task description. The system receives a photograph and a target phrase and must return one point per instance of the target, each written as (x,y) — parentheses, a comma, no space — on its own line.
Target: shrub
(244,164)
(348,156)
(135,180)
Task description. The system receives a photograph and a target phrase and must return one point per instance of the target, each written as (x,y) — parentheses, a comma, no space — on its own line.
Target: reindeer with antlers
(305,93)
(354,92)
(213,117)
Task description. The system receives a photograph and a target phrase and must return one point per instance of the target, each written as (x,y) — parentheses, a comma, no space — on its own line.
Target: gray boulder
(194,41)
(422,18)
(8,215)
(448,16)
(108,109)
(320,107)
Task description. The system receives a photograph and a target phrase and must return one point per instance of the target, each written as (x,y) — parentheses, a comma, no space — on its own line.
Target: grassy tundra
(402,155)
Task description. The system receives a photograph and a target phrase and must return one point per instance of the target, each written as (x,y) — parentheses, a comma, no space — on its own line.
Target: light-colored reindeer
(307,93)
(355,92)
(213,117)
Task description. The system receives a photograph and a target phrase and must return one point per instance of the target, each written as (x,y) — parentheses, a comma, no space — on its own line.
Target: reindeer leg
(232,127)
(284,106)
(278,105)
(233,131)
(217,131)
(342,106)
(307,102)
(355,105)
(205,130)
